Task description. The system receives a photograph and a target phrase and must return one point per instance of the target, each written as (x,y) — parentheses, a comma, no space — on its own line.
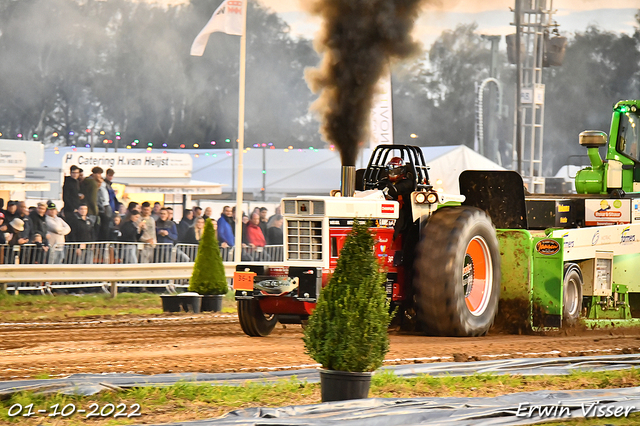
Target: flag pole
(243,56)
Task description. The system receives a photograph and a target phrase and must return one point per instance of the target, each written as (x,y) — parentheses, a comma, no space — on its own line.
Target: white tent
(317,171)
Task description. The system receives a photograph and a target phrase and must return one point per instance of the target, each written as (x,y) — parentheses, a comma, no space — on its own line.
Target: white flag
(227,19)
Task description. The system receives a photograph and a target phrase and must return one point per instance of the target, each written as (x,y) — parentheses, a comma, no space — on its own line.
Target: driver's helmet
(396,169)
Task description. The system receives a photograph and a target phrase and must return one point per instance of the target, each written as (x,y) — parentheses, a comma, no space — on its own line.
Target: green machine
(593,277)
(619,173)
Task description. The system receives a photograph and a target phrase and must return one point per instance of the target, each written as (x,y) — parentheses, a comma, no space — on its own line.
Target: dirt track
(215,343)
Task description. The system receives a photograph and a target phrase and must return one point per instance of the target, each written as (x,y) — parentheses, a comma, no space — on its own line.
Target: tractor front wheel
(571,294)
(457,273)
(253,321)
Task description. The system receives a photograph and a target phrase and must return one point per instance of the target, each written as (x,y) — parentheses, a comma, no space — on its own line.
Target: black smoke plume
(358,40)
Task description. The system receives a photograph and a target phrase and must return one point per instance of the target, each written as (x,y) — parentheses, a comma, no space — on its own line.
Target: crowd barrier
(118,253)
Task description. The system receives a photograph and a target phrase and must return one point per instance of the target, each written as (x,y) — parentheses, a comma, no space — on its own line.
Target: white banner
(13,163)
(382,113)
(211,189)
(131,164)
(227,18)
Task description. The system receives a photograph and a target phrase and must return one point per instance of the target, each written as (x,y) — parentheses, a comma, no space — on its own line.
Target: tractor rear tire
(253,321)
(571,295)
(457,273)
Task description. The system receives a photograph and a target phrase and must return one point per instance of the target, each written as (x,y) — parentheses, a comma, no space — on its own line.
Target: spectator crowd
(92,213)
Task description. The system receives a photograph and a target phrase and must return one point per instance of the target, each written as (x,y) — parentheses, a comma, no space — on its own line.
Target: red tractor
(443,269)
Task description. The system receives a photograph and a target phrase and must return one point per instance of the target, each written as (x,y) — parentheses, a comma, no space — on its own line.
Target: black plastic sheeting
(512,409)
(89,384)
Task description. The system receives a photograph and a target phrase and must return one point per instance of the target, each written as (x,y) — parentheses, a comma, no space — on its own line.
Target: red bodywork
(385,249)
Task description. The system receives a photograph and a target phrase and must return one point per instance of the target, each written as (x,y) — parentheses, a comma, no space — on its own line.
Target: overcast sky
(492,16)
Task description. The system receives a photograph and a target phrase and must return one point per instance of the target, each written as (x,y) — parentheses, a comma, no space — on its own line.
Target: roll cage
(414,160)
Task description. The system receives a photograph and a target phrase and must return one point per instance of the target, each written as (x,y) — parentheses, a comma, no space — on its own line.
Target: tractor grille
(318,207)
(304,241)
(289,207)
(304,207)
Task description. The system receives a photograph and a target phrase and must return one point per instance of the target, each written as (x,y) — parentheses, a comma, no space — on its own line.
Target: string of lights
(150,145)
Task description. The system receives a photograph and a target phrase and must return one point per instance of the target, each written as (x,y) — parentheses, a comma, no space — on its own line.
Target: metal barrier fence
(119,253)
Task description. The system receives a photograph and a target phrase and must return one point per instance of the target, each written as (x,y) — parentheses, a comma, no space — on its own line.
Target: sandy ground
(215,343)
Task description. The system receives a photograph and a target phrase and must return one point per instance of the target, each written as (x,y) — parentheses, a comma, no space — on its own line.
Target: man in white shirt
(148,235)
(56,231)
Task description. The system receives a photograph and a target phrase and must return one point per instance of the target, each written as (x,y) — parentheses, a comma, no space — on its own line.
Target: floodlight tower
(533,18)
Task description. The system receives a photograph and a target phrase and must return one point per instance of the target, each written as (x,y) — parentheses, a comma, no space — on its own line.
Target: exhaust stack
(348,184)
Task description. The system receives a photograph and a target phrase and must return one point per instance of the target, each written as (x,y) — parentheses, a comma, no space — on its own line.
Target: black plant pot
(212,302)
(171,302)
(191,303)
(179,302)
(343,385)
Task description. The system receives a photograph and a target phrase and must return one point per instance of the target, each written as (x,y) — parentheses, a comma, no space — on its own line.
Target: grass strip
(28,307)
(187,401)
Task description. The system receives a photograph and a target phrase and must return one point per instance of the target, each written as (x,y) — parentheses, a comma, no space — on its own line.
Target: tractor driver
(398,185)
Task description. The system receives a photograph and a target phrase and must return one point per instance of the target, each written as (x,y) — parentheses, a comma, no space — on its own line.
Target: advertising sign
(13,164)
(607,212)
(131,164)
(382,114)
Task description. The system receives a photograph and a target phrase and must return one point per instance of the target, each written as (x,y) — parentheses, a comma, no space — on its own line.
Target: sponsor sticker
(386,223)
(388,208)
(607,212)
(547,247)
(568,243)
(627,237)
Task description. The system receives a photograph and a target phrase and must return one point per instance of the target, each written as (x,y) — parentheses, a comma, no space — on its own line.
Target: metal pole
(493,149)
(264,173)
(243,69)
(518,12)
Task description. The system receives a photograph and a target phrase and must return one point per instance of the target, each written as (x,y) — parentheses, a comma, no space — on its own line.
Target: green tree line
(123,66)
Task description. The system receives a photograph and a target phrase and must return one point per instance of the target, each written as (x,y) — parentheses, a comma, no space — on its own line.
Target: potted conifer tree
(208,278)
(347,332)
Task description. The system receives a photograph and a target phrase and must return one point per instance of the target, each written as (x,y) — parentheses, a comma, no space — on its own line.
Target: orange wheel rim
(477,276)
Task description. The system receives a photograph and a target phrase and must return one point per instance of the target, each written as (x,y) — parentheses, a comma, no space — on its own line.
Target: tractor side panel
(625,271)
(547,282)
(514,312)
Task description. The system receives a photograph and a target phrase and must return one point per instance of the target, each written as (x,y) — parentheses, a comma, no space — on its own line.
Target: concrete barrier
(112,273)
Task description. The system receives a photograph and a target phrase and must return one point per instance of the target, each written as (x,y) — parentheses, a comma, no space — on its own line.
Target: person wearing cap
(22,213)
(16,227)
(10,211)
(38,235)
(56,231)
(38,222)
